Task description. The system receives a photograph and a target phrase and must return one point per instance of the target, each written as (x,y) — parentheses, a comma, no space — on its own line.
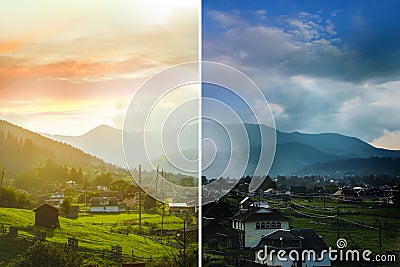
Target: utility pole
(157,181)
(291,213)
(163,175)
(380,236)
(140,198)
(85,201)
(184,239)
(162,220)
(1,185)
(163,210)
(324,201)
(337,222)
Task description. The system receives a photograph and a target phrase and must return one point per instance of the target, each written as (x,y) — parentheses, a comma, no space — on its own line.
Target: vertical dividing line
(200,203)
(140,199)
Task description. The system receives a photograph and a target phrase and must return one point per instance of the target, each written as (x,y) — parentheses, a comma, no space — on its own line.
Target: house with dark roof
(245,203)
(46,215)
(118,194)
(73,213)
(220,211)
(304,245)
(104,204)
(344,195)
(210,230)
(298,190)
(178,208)
(255,222)
(55,200)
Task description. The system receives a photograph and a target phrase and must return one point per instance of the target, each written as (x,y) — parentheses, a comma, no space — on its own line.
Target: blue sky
(324,66)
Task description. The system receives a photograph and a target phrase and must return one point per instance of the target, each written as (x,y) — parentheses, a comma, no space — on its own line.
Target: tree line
(17,153)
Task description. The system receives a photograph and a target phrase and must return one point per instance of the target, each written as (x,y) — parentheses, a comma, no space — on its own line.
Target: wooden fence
(114,253)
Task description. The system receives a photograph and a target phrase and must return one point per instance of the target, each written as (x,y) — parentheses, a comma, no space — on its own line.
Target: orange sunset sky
(69,66)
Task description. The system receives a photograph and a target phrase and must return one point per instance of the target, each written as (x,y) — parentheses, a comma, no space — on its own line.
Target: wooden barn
(46,215)
(73,213)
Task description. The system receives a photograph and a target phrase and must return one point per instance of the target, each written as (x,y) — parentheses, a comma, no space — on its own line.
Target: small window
(273,225)
(268,225)
(257,226)
(278,225)
(104,208)
(104,202)
(263,225)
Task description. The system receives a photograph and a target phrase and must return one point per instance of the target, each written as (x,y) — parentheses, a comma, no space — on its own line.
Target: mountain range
(22,150)
(296,153)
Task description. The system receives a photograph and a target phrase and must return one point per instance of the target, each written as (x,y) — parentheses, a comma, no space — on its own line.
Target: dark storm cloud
(322,71)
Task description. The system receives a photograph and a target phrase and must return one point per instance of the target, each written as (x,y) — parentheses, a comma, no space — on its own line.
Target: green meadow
(358,224)
(94,232)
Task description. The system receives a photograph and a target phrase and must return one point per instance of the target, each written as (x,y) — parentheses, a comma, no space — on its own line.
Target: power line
(310,207)
(313,215)
(333,216)
(359,224)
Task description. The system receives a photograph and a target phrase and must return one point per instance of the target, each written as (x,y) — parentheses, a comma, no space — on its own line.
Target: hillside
(290,157)
(336,144)
(94,233)
(102,141)
(295,152)
(355,167)
(21,150)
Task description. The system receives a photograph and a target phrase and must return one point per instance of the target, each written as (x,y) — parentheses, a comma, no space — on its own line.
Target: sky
(323,66)
(69,66)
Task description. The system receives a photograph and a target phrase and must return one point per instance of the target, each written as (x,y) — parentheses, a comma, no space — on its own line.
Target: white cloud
(389,139)
(278,111)
(330,28)
(314,81)
(224,19)
(262,14)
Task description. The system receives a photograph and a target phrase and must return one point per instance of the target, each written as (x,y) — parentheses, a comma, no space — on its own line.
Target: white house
(257,221)
(180,207)
(104,204)
(55,200)
(302,247)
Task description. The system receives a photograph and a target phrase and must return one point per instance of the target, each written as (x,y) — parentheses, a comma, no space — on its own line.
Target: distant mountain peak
(294,150)
(103,128)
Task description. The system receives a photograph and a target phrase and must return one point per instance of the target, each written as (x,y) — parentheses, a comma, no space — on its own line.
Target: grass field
(358,224)
(93,232)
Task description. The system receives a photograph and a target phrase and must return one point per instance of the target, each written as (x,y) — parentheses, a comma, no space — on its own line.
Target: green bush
(43,254)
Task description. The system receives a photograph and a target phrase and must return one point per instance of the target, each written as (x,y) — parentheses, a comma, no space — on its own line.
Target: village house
(177,208)
(121,207)
(294,242)
(118,194)
(55,200)
(131,200)
(245,203)
(220,211)
(46,215)
(256,221)
(270,192)
(105,204)
(344,195)
(73,213)
(210,230)
(298,190)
